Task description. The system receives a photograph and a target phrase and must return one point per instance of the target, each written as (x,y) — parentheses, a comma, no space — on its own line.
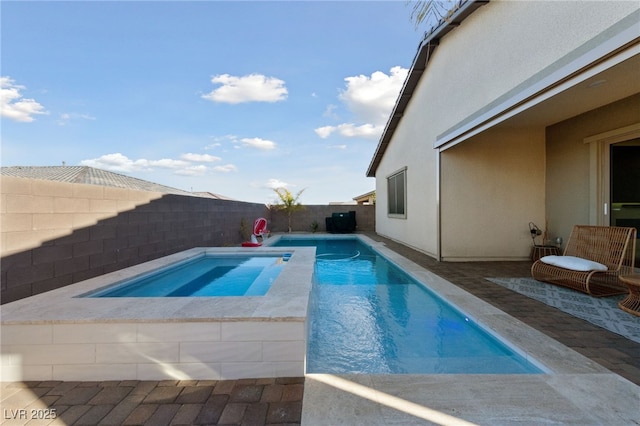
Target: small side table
(541,251)
(631,303)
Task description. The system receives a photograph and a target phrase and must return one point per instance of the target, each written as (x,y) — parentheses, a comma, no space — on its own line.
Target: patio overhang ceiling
(420,61)
(592,77)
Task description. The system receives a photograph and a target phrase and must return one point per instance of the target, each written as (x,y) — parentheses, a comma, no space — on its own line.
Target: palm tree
(288,202)
(431,11)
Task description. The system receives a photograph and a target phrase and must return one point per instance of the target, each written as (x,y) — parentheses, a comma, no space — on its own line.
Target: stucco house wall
(472,187)
(492,186)
(506,43)
(412,148)
(569,160)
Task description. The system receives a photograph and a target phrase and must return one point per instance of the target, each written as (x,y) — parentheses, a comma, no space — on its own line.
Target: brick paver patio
(155,403)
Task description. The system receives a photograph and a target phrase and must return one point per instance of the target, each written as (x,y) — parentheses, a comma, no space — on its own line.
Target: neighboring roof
(214,196)
(366,196)
(90,176)
(419,65)
(342,203)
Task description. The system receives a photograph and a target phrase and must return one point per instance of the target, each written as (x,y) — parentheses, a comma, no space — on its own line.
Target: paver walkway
(155,403)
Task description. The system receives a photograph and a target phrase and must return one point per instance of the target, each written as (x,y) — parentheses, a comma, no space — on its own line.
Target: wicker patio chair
(611,246)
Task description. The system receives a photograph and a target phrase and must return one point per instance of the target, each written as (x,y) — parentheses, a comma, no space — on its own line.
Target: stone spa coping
(58,335)
(286,299)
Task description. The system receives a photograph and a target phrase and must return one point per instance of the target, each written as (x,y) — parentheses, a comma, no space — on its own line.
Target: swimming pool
(205,276)
(368,316)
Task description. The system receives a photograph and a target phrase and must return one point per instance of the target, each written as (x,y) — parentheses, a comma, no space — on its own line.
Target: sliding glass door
(624,186)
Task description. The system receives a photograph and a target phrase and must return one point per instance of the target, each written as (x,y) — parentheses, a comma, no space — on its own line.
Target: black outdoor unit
(341,223)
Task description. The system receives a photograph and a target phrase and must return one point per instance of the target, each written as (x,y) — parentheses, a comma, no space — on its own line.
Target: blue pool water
(368,316)
(204,276)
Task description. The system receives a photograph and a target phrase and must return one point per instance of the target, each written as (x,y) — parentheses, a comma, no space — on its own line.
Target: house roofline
(429,43)
(366,194)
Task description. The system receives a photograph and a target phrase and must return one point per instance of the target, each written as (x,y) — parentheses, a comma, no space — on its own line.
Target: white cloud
(200,158)
(13,105)
(167,163)
(226,168)
(338,146)
(121,163)
(325,131)
(330,111)
(370,99)
(258,143)
(116,162)
(219,141)
(249,88)
(350,130)
(276,183)
(192,171)
(365,130)
(66,117)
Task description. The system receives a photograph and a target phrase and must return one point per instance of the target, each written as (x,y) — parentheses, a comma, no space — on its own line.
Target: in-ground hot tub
(208,275)
(59,335)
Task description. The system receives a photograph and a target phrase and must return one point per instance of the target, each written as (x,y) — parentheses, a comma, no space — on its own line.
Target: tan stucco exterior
(412,149)
(492,186)
(569,160)
(479,140)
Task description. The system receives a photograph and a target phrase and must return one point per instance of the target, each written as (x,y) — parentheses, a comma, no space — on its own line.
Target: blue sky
(234,98)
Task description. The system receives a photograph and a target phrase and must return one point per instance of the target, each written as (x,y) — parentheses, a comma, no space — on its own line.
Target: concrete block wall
(302,220)
(53,234)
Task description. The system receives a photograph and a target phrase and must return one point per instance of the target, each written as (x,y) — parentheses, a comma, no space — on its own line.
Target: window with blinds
(396,188)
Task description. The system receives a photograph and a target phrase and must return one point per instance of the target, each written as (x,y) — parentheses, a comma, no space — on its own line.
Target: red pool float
(259,230)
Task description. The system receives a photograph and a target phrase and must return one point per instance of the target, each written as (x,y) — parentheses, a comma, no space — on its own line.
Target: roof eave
(430,41)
